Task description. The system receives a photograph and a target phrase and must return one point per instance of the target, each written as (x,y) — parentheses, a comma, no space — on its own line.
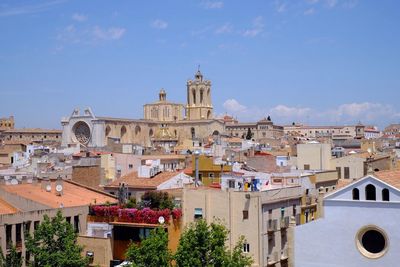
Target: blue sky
(309,61)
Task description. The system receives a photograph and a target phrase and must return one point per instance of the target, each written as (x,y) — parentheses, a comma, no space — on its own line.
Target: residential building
(313,132)
(31,135)
(261,217)
(313,156)
(25,200)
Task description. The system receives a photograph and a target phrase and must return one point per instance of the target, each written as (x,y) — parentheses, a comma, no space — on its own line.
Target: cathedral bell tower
(199,105)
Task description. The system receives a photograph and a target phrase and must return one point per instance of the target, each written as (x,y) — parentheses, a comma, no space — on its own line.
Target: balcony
(273,259)
(308,200)
(272,226)
(285,222)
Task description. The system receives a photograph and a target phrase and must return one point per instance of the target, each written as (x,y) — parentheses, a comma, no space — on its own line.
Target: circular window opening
(372,242)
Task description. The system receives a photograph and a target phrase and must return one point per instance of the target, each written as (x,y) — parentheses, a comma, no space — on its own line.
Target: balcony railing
(273,258)
(272,226)
(284,254)
(285,222)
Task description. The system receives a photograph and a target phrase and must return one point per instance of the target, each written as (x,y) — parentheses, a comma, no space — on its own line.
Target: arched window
(137,130)
(385,194)
(356,194)
(209,114)
(193,132)
(370,192)
(151,132)
(201,96)
(123,131)
(194,96)
(108,130)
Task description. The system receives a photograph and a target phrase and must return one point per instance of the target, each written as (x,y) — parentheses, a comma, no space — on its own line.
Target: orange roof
(6,208)
(73,195)
(343,183)
(390,177)
(132,180)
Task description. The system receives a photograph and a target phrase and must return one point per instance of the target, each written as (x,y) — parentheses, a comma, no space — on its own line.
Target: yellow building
(209,172)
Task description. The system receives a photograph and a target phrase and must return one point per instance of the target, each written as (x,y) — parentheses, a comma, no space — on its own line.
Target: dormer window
(370,192)
(356,194)
(385,195)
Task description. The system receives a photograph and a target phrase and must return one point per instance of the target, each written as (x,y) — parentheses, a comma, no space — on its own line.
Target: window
(306,167)
(198,213)
(245,215)
(211,174)
(231,183)
(8,236)
(27,227)
(144,232)
(294,210)
(370,192)
(76,224)
(339,171)
(356,194)
(18,235)
(35,225)
(130,166)
(282,212)
(307,191)
(346,172)
(246,247)
(68,219)
(372,242)
(385,194)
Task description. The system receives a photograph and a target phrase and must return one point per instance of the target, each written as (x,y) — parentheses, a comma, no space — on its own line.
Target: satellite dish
(59,188)
(161,220)
(14,181)
(48,188)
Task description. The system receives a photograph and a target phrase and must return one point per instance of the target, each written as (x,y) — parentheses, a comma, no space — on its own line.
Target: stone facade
(26,135)
(6,123)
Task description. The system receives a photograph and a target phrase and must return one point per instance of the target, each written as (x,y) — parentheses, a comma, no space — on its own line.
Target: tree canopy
(54,244)
(152,252)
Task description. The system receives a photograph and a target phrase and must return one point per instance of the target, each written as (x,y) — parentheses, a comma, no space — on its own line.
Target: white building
(359,228)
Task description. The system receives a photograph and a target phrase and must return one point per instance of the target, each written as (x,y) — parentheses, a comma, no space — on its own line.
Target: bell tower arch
(199,105)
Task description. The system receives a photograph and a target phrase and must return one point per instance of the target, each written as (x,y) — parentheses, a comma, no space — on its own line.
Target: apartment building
(24,201)
(261,217)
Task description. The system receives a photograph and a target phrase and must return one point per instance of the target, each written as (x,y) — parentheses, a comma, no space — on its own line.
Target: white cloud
(79,17)
(280,6)
(212,4)
(29,9)
(159,24)
(233,106)
(113,33)
(331,3)
(226,28)
(290,112)
(257,28)
(349,113)
(309,11)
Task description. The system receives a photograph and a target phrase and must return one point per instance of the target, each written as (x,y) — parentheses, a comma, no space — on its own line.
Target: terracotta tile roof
(133,181)
(73,195)
(389,177)
(33,130)
(167,156)
(6,208)
(343,183)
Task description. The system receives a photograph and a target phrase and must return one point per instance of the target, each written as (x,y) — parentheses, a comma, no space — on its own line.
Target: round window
(372,242)
(82,132)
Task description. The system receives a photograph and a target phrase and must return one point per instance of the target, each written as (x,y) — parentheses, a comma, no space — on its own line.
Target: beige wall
(317,156)
(37,216)
(101,248)
(353,162)
(228,206)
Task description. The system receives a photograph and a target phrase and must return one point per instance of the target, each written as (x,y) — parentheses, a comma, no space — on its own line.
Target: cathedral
(164,124)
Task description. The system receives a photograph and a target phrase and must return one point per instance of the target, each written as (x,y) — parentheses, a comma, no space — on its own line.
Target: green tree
(204,245)
(13,259)
(152,251)
(157,200)
(54,244)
